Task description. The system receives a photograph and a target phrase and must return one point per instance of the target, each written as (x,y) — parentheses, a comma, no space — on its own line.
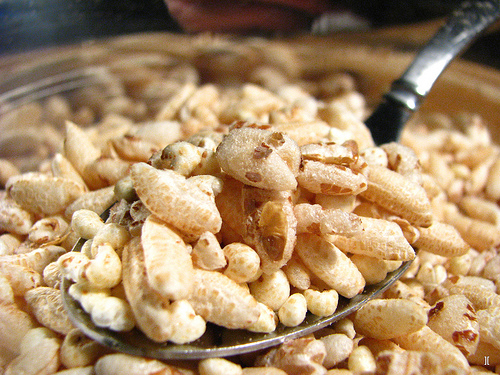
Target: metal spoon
(463,26)
(386,123)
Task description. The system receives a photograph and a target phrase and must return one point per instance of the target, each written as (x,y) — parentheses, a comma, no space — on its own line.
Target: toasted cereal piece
(312,218)
(36,259)
(321,303)
(330,264)
(270,225)
(345,326)
(489,326)
(78,148)
(105,171)
(254,103)
(96,200)
(338,348)
(388,318)
(373,270)
(150,308)
(293,311)
(262,158)
(491,270)
(267,321)
(49,229)
(110,234)
(481,209)
(303,131)
(330,179)
(39,353)
(271,289)
(242,262)
(182,157)
(298,356)
(297,273)
(168,263)
(72,265)
(43,194)
(401,290)
(210,185)
(481,235)
(403,160)
(46,305)
(480,292)
(6,292)
(455,319)
(14,324)
(219,300)
(345,203)
(431,276)
(105,269)
(339,116)
(398,194)
(21,278)
(214,366)
(427,340)
(441,239)
(263,370)
(120,363)
(375,156)
(230,203)
(175,200)
(7,170)
(62,167)
(361,360)
(86,370)
(207,253)
(133,148)
(379,238)
(187,325)
(393,362)
(9,242)
(492,188)
(170,109)
(77,350)
(13,218)
(330,153)
(86,223)
(105,310)
(377,346)
(484,350)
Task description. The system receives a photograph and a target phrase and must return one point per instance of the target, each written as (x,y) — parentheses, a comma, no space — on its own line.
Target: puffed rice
(265,197)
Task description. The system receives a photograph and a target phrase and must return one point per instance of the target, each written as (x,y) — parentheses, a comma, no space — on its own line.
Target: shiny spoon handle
(407,93)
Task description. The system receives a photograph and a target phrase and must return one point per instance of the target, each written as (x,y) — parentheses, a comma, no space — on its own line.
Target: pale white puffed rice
(271,289)
(293,311)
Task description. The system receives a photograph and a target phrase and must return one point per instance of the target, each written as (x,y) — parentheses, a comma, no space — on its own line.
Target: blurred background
(33,24)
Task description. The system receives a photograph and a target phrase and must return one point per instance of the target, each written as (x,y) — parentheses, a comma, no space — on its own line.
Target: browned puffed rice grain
(328,263)
(46,305)
(176,200)
(220,300)
(398,194)
(258,157)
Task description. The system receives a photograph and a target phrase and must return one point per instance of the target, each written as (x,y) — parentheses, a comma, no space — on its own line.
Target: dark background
(32,24)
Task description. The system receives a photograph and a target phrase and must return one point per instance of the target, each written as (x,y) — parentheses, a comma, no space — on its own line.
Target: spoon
(463,26)
(403,99)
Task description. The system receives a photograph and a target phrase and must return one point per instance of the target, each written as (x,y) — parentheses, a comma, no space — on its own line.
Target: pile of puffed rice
(245,204)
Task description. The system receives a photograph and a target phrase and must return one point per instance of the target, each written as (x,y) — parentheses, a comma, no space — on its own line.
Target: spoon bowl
(217,341)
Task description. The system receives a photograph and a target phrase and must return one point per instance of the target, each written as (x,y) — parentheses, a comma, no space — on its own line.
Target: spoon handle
(407,93)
